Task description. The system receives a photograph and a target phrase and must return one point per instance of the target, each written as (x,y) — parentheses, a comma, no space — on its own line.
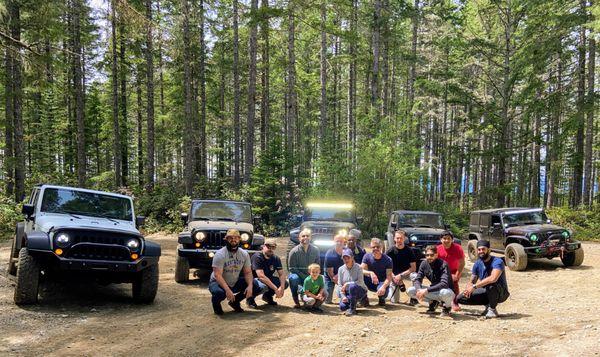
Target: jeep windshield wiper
(405,225)
(106,217)
(71,214)
(202,218)
(424,225)
(225,219)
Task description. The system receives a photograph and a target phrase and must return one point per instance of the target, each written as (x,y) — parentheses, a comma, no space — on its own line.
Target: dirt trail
(552,311)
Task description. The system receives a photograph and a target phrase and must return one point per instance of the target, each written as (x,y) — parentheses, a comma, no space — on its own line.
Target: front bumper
(202,257)
(552,250)
(72,264)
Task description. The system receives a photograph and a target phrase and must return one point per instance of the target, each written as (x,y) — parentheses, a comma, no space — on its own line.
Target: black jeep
(521,234)
(205,227)
(73,233)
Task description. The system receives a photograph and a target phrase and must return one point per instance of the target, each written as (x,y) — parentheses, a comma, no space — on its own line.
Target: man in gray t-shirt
(226,282)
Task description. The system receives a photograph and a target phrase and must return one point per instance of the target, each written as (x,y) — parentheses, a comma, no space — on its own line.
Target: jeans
(218,294)
(490,295)
(267,292)
(394,290)
(312,302)
(372,287)
(330,287)
(296,284)
(354,294)
(445,296)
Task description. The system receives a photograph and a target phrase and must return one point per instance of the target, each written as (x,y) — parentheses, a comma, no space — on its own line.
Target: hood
(312,225)
(45,221)
(221,225)
(423,231)
(535,228)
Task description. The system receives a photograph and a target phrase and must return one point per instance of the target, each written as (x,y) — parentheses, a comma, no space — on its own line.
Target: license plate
(553,241)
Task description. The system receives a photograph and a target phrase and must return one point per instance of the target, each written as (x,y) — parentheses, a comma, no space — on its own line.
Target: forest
(447,105)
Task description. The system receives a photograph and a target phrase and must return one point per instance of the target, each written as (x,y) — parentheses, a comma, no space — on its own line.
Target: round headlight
(413,238)
(200,236)
(133,243)
(63,239)
(245,237)
(533,238)
(566,234)
(342,232)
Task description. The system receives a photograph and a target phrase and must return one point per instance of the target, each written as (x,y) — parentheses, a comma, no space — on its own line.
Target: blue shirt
(378,266)
(484,269)
(333,260)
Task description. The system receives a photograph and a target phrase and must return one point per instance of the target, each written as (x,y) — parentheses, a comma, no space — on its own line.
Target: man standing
(300,257)
(352,284)
(404,264)
(438,273)
(264,265)
(488,284)
(377,268)
(333,261)
(225,280)
(354,245)
(454,255)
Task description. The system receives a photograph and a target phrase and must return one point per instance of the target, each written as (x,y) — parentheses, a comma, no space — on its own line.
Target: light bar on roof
(524,211)
(329,205)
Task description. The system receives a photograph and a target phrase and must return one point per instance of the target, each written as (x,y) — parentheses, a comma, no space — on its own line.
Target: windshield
(86,204)
(525,218)
(329,214)
(420,220)
(222,211)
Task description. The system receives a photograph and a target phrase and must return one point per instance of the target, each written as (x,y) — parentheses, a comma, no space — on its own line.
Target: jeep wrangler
(522,234)
(74,233)
(206,224)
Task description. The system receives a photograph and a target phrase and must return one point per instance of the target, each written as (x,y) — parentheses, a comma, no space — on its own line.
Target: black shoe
(381,301)
(218,309)
(432,306)
(269,301)
(251,303)
(236,306)
(446,311)
(413,302)
(317,310)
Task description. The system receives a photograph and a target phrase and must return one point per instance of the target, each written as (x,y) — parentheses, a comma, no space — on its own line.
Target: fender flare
(37,240)
(152,249)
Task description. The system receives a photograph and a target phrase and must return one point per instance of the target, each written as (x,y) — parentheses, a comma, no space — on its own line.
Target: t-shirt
(231,263)
(452,256)
(484,269)
(401,259)
(333,260)
(314,286)
(378,266)
(268,265)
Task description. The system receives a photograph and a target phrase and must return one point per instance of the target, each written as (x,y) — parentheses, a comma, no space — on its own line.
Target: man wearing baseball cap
(226,282)
(352,284)
(488,282)
(265,265)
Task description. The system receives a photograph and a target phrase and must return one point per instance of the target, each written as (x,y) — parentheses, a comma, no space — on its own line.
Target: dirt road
(552,311)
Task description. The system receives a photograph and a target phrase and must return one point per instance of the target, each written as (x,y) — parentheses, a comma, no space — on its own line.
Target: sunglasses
(430,255)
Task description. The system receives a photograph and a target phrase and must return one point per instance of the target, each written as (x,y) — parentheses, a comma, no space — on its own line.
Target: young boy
(314,292)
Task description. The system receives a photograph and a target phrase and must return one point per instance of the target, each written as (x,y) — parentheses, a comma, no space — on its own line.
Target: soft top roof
(504,209)
(215,200)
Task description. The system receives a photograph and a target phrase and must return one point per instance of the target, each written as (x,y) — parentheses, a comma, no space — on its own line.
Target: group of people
(349,273)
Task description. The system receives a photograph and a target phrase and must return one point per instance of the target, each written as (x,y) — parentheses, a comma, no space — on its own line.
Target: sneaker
(445,312)
(251,303)
(297,306)
(236,306)
(365,303)
(491,313)
(350,312)
(381,301)
(432,306)
(413,302)
(269,301)
(317,310)
(218,309)
(485,311)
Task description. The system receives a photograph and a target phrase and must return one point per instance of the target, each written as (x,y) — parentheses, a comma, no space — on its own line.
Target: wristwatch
(475,286)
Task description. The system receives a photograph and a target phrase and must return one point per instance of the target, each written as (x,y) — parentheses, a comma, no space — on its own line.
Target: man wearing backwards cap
(225,280)
(352,284)
(488,282)
(264,265)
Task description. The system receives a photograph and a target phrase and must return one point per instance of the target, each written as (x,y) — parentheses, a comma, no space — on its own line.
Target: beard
(484,256)
(231,247)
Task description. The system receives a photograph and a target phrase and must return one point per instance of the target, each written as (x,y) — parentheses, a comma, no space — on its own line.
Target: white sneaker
(491,313)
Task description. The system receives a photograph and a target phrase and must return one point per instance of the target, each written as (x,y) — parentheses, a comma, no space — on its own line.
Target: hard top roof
(504,209)
(82,189)
(415,212)
(218,200)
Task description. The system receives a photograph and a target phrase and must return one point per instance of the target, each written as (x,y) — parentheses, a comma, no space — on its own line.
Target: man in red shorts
(454,255)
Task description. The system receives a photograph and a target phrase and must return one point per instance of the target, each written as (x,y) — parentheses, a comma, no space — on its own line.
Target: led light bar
(524,211)
(329,205)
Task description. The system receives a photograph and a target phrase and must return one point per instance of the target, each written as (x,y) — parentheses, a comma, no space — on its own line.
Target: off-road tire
(573,259)
(14,250)
(182,270)
(145,285)
(472,250)
(28,279)
(515,257)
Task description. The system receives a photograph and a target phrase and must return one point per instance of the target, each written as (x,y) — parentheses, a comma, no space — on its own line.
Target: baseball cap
(347,253)
(271,242)
(232,233)
(483,243)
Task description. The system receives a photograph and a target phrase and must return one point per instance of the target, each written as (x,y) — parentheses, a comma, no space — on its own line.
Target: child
(314,292)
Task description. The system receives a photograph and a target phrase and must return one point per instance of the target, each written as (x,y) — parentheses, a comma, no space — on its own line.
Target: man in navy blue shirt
(488,282)
(377,268)
(354,245)
(264,266)
(333,261)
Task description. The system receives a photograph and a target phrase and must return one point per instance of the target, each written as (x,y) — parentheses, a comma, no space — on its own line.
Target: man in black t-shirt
(404,264)
(268,273)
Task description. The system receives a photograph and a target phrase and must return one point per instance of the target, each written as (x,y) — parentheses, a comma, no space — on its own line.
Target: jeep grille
(97,237)
(98,252)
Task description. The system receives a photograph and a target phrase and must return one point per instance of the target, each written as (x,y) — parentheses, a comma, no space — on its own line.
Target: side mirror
(139,221)
(298,218)
(393,224)
(184,218)
(360,220)
(28,210)
(447,227)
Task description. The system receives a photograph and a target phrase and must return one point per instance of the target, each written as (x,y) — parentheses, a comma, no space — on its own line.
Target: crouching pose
(377,268)
(488,285)
(438,273)
(264,266)
(314,292)
(352,284)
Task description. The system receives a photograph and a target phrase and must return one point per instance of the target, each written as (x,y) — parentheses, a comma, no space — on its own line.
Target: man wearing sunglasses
(488,285)
(377,268)
(438,273)
(300,257)
(264,266)
(333,262)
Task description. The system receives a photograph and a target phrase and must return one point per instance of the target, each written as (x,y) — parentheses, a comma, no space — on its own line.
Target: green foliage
(10,214)
(162,209)
(585,224)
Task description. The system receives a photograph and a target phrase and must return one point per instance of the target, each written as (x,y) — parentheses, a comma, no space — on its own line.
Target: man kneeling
(488,282)
(264,266)
(438,273)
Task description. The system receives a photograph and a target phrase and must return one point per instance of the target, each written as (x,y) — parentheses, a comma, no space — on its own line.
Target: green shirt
(314,286)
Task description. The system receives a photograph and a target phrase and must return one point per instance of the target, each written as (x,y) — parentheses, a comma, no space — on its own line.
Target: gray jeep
(75,233)
(522,234)
(206,224)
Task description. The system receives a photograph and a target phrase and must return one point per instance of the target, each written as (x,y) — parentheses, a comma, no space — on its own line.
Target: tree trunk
(115,99)
(150,97)
(9,167)
(265,103)
(576,187)
(123,106)
(140,144)
(588,189)
(554,166)
(236,98)
(249,162)
(188,142)
(375,43)
(412,70)
(351,140)
(292,98)
(202,127)
(77,9)
(323,78)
